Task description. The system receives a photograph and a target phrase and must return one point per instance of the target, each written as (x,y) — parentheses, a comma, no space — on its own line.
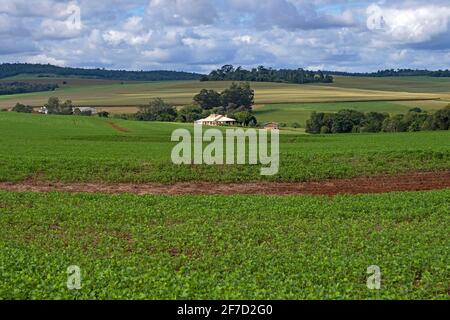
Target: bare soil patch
(417,181)
(115,126)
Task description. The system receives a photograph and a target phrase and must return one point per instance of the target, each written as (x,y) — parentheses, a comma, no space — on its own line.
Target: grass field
(181,92)
(70,148)
(300,112)
(217,247)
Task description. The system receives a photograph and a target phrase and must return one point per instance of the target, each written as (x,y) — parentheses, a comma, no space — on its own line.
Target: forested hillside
(263,74)
(43,70)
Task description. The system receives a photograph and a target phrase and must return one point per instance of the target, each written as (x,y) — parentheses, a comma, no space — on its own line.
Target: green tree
(441,119)
(189,114)
(22,108)
(245,118)
(156,110)
(208,99)
(52,105)
(240,95)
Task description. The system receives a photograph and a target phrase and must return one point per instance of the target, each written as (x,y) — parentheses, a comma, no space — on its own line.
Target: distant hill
(45,70)
(394,73)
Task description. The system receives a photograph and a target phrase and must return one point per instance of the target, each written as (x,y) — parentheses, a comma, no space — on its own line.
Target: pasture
(89,149)
(112,94)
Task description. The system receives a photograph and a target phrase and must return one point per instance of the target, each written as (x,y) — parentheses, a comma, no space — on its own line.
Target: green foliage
(189,114)
(345,121)
(262,74)
(22,108)
(16,87)
(441,119)
(12,69)
(78,112)
(325,130)
(238,96)
(54,106)
(157,110)
(224,247)
(245,118)
(208,99)
(103,114)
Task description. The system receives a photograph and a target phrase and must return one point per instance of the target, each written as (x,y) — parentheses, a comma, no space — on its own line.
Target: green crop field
(71,148)
(219,247)
(300,112)
(222,247)
(103,93)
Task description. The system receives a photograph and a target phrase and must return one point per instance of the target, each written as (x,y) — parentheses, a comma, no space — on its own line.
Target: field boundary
(416,181)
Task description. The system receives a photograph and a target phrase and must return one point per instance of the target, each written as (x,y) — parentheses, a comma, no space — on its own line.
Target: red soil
(417,181)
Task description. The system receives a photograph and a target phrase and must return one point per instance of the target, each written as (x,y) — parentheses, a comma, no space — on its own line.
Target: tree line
(395,73)
(352,121)
(263,74)
(13,69)
(16,87)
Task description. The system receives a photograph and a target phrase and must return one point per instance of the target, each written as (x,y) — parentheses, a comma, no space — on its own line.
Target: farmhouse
(271,126)
(216,120)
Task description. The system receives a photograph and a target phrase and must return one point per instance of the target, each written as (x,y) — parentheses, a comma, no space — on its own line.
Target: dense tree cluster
(157,110)
(13,69)
(395,73)
(262,74)
(54,106)
(25,87)
(235,101)
(22,108)
(346,121)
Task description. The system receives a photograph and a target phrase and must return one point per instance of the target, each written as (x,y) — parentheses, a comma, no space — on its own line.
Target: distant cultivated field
(300,112)
(397,84)
(91,149)
(101,93)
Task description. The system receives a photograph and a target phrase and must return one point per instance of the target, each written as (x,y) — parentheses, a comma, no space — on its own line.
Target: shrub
(157,110)
(189,114)
(22,108)
(324,130)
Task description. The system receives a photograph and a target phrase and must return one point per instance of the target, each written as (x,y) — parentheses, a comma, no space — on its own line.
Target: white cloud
(409,25)
(182,12)
(44,59)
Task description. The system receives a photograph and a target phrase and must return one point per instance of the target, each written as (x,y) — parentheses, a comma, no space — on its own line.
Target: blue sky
(201,35)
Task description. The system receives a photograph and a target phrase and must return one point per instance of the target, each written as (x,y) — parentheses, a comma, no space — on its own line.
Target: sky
(202,35)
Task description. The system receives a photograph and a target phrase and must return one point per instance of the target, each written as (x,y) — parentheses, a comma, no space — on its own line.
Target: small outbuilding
(271,126)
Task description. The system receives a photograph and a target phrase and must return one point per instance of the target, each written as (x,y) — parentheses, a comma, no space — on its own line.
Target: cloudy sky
(201,35)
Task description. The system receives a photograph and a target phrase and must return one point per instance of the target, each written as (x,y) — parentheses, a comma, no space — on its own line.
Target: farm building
(44,110)
(85,110)
(216,120)
(271,126)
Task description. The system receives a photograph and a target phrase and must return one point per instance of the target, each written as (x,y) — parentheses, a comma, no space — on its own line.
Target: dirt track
(377,184)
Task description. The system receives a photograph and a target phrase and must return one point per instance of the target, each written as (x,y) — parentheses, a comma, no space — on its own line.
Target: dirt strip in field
(418,181)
